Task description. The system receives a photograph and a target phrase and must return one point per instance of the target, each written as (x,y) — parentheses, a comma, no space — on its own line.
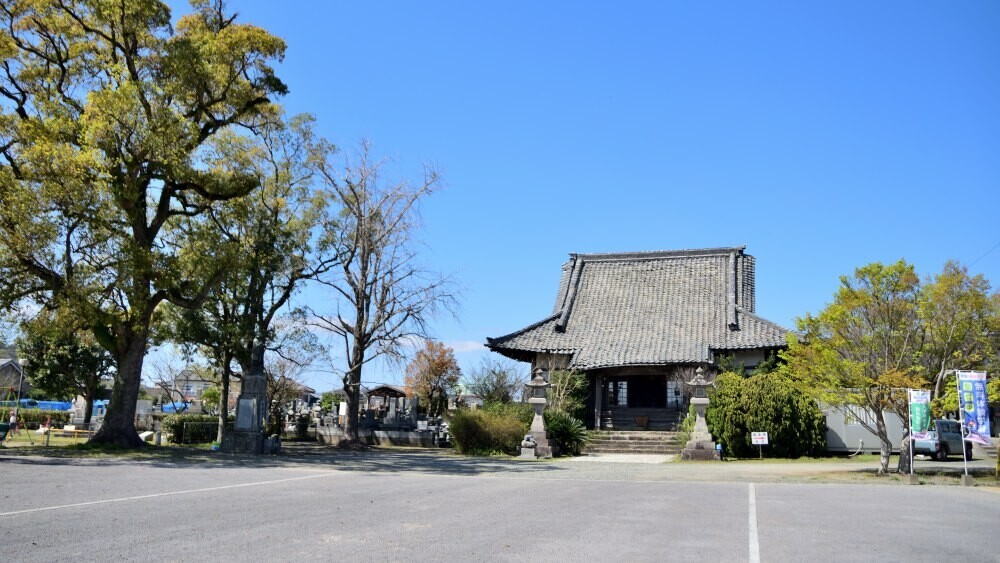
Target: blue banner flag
(972,403)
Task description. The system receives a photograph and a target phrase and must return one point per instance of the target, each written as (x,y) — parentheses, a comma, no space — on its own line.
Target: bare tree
(384,297)
(496,380)
(284,385)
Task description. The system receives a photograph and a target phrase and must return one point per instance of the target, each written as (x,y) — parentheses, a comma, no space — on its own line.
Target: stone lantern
(537,391)
(701,445)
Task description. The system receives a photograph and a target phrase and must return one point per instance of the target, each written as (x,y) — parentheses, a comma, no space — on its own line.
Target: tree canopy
(495,380)
(105,113)
(432,375)
(65,361)
(884,333)
(274,248)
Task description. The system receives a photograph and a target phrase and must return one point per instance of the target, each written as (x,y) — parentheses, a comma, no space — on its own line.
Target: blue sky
(822,136)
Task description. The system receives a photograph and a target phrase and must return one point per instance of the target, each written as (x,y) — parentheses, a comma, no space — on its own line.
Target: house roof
(649,308)
(387,391)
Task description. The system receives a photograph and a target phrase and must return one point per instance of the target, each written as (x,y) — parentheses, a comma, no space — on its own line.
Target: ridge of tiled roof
(655,254)
(649,308)
(522,331)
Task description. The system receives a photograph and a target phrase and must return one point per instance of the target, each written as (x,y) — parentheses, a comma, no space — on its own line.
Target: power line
(995,246)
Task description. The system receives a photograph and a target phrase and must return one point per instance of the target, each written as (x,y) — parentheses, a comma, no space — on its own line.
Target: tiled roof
(649,308)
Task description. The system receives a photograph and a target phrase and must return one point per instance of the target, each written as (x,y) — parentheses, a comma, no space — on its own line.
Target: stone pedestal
(251,409)
(243,442)
(542,447)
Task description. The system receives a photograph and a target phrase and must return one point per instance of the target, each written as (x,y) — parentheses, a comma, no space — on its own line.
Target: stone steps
(619,441)
(989,451)
(630,419)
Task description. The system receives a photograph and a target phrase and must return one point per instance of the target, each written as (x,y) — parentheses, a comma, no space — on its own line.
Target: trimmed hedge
(191,428)
(765,403)
(482,432)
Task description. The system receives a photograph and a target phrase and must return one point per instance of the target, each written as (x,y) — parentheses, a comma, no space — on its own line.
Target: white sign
(758,438)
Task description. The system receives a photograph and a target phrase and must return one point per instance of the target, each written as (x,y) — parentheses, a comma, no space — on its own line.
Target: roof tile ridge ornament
(654,254)
(734,320)
(574,282)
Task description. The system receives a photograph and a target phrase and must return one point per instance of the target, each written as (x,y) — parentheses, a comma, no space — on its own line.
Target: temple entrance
(639,392)
(652,401)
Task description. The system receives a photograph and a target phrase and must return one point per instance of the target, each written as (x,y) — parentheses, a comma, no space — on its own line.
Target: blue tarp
(55,405)
(43,405)
(100,405)
(175,407)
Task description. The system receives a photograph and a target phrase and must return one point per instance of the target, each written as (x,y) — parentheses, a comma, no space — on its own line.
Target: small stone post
(538,387)
(701,445)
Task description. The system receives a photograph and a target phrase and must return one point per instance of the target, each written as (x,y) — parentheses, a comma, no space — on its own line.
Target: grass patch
(829,459)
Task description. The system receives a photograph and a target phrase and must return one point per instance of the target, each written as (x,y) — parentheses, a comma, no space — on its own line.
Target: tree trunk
(885,443)
(88,412)
(224,401)
(119,422)
(938,382)
(905,461)
(352,388)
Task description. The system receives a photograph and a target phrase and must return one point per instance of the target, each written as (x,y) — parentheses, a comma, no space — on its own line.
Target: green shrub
(765,403)
(687,426)
(521,411)
(33,418)
(568,432)
(191,428)
(482,432)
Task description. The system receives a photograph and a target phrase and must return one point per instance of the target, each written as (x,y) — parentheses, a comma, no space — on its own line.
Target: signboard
(758,438)
(972,406)
(920,413)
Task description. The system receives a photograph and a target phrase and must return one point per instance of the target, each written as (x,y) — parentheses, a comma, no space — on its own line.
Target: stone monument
(537,390)
(247,437)
(701,445)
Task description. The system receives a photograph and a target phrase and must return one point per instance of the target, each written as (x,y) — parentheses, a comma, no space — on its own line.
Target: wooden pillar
(598,401)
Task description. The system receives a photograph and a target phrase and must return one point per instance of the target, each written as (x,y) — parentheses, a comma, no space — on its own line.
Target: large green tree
(859,351)
(65,361)
(106,110)
(273,232)
(959,325)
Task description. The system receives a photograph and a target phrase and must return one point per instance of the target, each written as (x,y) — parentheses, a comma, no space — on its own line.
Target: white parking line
(754,543)
(156,495)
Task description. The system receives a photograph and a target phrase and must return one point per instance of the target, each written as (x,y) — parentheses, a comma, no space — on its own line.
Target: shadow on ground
(378,460)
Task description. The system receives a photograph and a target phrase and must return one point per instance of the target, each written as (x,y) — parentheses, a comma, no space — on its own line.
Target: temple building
(638,325)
